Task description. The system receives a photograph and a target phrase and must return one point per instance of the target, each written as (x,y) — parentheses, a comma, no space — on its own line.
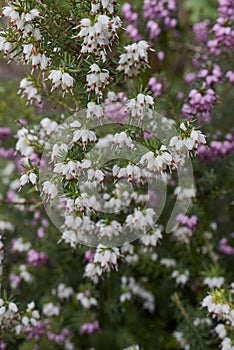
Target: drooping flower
(134,59)
(63,79)
(97,80)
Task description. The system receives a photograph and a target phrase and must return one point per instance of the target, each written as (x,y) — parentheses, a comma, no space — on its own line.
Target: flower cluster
(134,59)
(215,304)
(216,149)
(89,328)
(230,76)
(131,17)
(188,139)
(185,231)
(97,80)
(155,86)
(4,133)
(36,259)
(225,247)
(22,21)
(223,29)
(114,107)
(221,308)
(151,238)
(199,104)
(131,288)
(156,163)
(128,13)
(86,299)
(107,5)
(98,36)
(104,259)
(20,18)
(214,282)
(29,90)
(159,13)
(141,107)
(9,314)
(200,30)
(181,277)
(185,220)
(58,78)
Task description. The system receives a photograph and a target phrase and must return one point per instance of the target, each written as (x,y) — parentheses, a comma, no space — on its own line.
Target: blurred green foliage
(12,107)
(200,9)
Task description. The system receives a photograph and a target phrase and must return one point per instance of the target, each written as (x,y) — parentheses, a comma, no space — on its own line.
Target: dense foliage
(116,186)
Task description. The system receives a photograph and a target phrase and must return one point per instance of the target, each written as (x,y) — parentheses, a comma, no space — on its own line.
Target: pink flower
(36,259)
(89,328)
(89,255)
(185,220)
(40,232)
(4,133)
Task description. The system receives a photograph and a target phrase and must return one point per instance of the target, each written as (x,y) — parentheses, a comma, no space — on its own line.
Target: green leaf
(201,9)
